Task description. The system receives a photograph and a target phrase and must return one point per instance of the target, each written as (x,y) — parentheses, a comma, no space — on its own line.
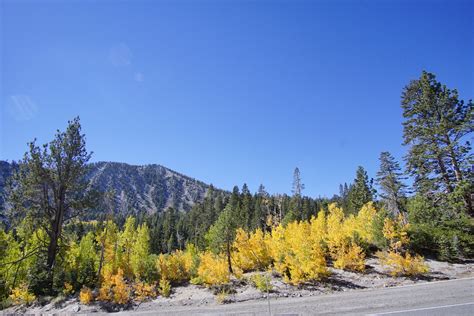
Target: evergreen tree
(435,129)
(298,186)
(221,235)
(361,191)
(246,210)
(390,180)
(169,240)
(51,187)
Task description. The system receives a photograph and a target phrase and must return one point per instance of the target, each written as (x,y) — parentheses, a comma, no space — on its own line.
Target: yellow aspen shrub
(364,222)
(165,287)
(213,269)
(398,260)
(406,265)
(140,251)
(305,259)
(21,295)
(191,260)
(174,267)
(251,250)
(105,291)
(351,258)
(86,296)
(143,291)
(126,242)
(396,233)
(121,291)
(114,289)
(343,249)
(318,228)
(278,249)
(335,236)
(107,240)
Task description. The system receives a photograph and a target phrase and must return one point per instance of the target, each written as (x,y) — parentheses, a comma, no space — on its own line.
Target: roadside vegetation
(49,250)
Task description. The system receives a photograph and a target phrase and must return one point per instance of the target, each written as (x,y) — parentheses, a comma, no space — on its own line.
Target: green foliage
(221,235)
(441,229)
(390,180)
(262,282)
(361,191)
(165,287)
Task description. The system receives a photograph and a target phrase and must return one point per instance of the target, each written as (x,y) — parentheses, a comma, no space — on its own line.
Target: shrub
(252,252)
(114,289)
(68,289)
(262,282)
(85,296)
(213,270)
(403,265)
(144,291)
(222,297)
(174,267)
(21,295)
(351,258)
(297,254)
(165,287)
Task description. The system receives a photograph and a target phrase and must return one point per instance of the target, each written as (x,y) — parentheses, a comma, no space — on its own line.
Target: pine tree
(246,210)
(51,186)
(221,235)
(435,129)
(390,180)
(361,191)
(298,186)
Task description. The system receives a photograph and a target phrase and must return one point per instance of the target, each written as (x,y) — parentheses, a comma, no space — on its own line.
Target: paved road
(452,297)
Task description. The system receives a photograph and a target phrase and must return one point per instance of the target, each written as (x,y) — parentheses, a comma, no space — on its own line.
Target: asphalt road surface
(452,297)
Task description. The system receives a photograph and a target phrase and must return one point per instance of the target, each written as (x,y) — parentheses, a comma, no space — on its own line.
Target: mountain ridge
(150,188)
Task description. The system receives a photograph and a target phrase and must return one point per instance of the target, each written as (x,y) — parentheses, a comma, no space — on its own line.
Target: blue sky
(228,91)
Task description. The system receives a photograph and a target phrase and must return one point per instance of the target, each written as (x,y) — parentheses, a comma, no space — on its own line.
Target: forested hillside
(143,244)
(132,189)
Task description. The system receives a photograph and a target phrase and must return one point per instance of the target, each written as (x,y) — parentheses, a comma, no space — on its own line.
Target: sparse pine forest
(52,248)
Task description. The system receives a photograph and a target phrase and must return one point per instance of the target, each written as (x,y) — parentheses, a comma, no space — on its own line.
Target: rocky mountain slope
(149,188)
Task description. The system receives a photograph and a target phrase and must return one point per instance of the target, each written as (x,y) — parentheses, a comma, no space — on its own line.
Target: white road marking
(421,309)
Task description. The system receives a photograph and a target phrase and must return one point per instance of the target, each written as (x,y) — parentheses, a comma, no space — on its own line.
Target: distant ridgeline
(137,189)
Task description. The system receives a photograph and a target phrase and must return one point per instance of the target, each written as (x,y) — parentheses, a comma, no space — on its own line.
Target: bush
(175,267)
(114,289)
(165,287)
(85,296)
(262,282)
(252,252)
(351,258)
(222,297)
(21,295)
(403,265)
(144,291)
(213,270)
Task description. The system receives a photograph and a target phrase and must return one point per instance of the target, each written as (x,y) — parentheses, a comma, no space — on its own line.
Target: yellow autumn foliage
(21,295)
(175,267)
(144,291)
(297,253)
(251,250)
(398,259)
(114,289)
(213,269)
(86,296)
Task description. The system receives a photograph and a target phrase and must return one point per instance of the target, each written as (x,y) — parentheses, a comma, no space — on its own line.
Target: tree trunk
(229,263)
(444,173)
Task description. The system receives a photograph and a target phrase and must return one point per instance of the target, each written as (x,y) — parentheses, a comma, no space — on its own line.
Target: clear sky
(228,91)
